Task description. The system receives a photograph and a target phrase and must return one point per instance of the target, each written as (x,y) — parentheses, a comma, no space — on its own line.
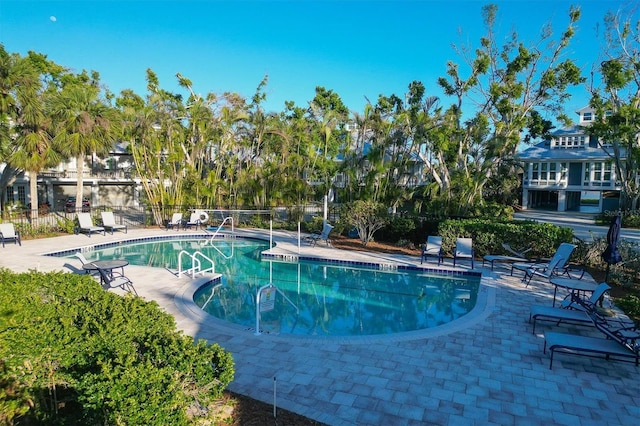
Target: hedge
(76,354)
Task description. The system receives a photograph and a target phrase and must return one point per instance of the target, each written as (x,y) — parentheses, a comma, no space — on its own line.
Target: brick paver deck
(486,368)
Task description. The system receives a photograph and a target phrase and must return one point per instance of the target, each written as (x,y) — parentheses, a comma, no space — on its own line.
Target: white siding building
(570,172)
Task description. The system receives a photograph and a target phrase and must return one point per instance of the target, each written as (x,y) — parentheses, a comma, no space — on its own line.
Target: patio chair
(9,233)
(116,280)
(194,220)
(321,236)
(433,247)
(463,250)
(574,313)
(555,266)
(175,222)
(109,222)
(86,225)
(516,256)
(622,343)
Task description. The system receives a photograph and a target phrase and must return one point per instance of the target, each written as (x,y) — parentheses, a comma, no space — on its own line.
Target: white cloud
(53,18)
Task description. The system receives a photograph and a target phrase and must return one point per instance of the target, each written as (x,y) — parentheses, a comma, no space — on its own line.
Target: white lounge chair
(109,222)
(555,266)
(463,250)
(574,312)
(321,236)
(194,220)
(433,247)
(175,222)
(9,233)
(86,224)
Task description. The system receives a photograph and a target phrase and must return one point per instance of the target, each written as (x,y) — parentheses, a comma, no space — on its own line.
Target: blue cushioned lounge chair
(433,247)
(555,266)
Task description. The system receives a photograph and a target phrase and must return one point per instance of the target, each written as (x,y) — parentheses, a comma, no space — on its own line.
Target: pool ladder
(196,264)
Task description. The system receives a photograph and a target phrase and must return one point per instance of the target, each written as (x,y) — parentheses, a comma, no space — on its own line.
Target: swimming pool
(317,298)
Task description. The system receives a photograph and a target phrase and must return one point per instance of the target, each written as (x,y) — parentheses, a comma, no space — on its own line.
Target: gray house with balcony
(108,181)
(570,172)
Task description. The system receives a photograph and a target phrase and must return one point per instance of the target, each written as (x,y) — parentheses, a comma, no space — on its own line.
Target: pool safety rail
(268,302)
(220,228)
(196,264)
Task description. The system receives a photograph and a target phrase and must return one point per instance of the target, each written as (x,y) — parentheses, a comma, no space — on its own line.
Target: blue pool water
(329,299)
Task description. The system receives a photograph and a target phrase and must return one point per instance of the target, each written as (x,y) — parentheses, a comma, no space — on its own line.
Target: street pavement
(583,225)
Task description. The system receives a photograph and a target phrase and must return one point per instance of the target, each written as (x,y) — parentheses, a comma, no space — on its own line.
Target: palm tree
(32,146)
(84,124)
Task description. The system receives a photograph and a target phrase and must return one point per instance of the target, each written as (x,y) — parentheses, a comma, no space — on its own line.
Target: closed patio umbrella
(611,255)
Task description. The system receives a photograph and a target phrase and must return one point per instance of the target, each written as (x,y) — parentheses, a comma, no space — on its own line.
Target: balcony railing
(87,174)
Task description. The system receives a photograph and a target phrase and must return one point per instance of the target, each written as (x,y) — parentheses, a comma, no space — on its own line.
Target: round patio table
(106,265)
(574,286)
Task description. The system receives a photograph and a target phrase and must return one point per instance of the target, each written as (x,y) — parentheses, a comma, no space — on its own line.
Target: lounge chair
(194,220)
(86,224)
(321,236)
(116,280)
(514,252)
(588,346)
(573,313)
(175,222)
(433,247)
(621,343)
(9,233)
(109,223)
(463,250)
(516,256)
(555,266)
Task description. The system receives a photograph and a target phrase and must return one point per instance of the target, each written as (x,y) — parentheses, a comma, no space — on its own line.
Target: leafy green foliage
(367,217)
(86,356)
(488,236)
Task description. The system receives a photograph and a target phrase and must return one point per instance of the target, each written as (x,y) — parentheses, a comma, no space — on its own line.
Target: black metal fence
(148,216)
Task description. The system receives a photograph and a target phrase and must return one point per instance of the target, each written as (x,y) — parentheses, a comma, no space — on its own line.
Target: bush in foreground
(79,355)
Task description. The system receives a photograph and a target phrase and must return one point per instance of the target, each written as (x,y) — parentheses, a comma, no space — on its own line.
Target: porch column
(562,201)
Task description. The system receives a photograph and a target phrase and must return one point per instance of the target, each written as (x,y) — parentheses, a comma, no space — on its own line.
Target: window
(552,172)
(598,174)
(10,195)
(544,173)
(22,196)
(587,116)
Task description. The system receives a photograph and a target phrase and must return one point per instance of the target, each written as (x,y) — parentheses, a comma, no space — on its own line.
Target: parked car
(70,205)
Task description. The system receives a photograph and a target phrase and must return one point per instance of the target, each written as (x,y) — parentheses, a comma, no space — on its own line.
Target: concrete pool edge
(286,244)
(184,302)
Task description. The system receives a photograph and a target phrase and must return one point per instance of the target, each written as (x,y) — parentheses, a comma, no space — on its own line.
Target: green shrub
(366,216)
(630,304)
(488,236)
(398,228)
(87,356)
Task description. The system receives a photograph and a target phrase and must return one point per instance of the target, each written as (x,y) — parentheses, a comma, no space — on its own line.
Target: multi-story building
(570,172)
(107,181)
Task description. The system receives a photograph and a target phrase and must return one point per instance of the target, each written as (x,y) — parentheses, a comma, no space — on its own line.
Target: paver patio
(486,368)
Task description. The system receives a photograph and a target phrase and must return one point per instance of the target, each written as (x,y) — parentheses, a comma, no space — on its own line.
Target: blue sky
(356,48)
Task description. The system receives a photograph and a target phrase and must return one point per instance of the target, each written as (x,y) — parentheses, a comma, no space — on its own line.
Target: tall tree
(505,84)
(617,103)
(26,139)
(85,124)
